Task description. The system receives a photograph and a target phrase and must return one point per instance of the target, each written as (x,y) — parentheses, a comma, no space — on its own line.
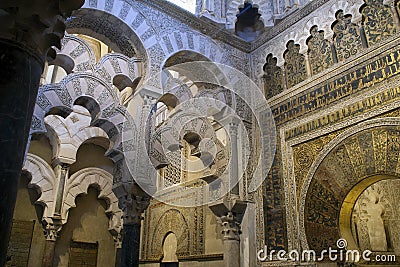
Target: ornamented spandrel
(347,38)
(295,65)
(304,155)
(378,21)
(273,77)
(319,51)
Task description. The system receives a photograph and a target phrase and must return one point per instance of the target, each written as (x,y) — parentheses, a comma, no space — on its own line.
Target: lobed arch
(43,180)
(120,70)
(80,182)
(96,96)
(176,93)
(76,52)
(342,170)
(186,122)
(265,9)
(66,140)
(157,144)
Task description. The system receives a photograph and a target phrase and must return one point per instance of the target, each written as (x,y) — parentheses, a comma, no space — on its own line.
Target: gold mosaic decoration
(305,154)
(369,152)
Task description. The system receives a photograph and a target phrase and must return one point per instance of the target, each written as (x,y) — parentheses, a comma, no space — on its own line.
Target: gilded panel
(304,155)
(356,156)
(273,77)
(358,79)
(347,37)
(295,64)
(380,138)
(319,51)
(378,21)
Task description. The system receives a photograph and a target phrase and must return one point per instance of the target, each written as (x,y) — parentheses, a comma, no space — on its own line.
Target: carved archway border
(174,221)
(324,153)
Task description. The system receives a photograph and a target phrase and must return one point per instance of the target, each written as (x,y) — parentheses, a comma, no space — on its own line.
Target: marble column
(51,230)
(229,213)
(130,245)
(61,170)
(133,205)
(27,33)
(234,174)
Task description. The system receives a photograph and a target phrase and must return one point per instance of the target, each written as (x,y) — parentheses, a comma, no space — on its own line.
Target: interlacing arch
(93,88)
(90,92)
(67,135)
(43,180)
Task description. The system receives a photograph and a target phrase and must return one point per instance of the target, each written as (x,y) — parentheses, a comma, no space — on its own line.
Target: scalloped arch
(43,180)
(80,182)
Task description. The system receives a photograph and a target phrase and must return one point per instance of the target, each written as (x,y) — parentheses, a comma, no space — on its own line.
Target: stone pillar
(231,236)
(234,174)
(133,205)
(61,170)
(230,214)
(51,230)
(27,32)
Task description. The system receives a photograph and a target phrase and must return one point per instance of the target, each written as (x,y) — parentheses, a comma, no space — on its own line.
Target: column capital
(118,240)
(230,227)
(133,207)
(29,25)
(149,101)
(51,228)
(230,213)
